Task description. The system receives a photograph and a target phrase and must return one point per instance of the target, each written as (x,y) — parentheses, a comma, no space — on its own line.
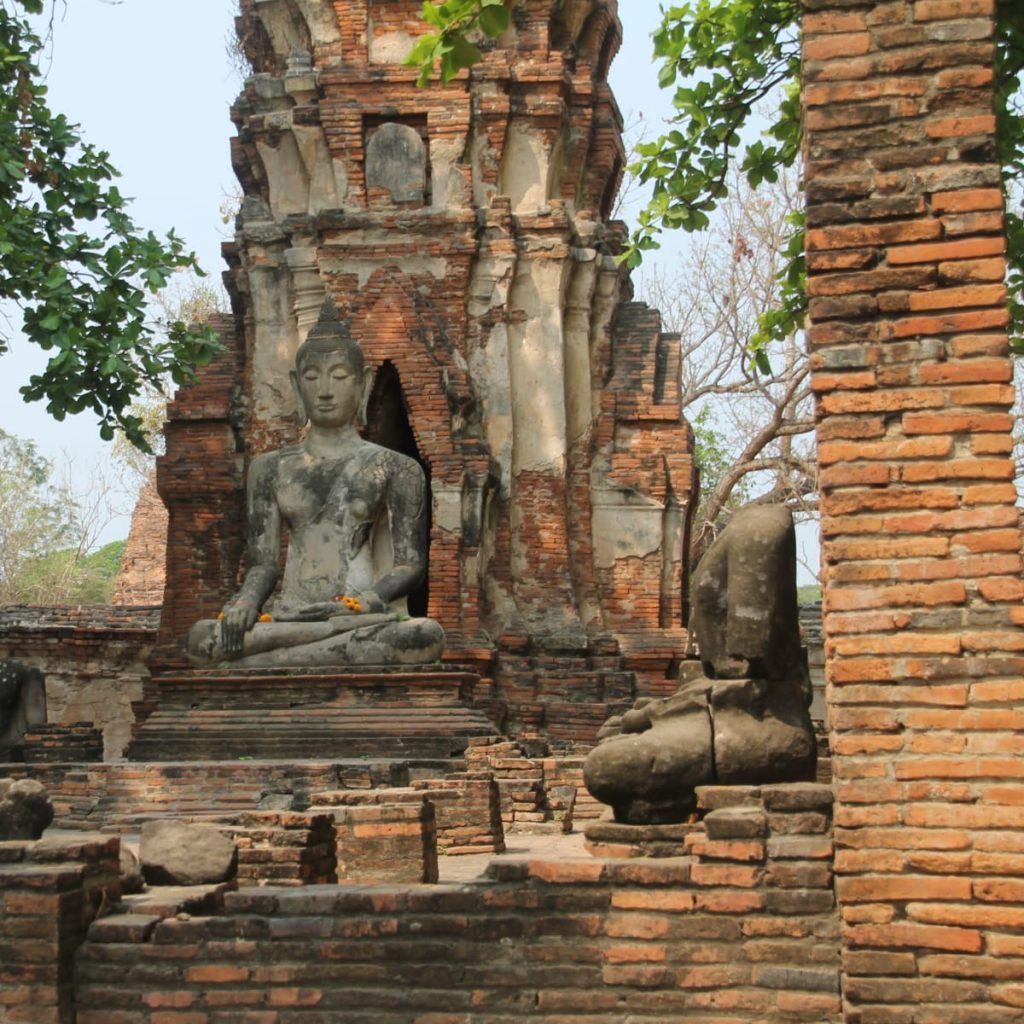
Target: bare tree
(752,428)
(192,300)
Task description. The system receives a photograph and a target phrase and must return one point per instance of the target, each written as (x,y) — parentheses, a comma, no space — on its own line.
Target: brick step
(293,730)
(588,808)
(297,729)
(384,713)
(413,715)
(270,733)
(419,688)
(236,791)
(397,715)
(207,748)
(127,793)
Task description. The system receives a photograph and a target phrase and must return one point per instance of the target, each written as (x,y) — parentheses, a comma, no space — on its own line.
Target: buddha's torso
(330,506)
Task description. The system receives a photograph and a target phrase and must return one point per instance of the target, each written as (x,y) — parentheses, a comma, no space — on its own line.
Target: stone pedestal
(385,712)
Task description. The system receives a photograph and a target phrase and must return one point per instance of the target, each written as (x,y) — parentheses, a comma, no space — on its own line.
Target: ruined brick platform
(383,713)
(742,929)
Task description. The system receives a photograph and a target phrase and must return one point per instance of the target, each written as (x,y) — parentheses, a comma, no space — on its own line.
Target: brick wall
(100,796)
(143,568)
(494,307)
(921,542)
(201,484)
(94,659)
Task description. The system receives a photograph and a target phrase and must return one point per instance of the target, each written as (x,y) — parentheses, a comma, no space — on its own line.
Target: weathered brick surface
(725,933)
(534,794)
(143,568)
(381,842)
(98,796)
(200,482)
(78,741)
(284,848)
(467,810)
(379,712)
(543,404)
(50,892)
(922,544)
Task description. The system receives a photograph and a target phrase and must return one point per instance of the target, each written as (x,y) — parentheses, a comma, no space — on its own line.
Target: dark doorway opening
(387,424)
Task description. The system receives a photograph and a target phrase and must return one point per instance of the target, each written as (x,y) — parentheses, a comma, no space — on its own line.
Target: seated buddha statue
(741,714)
(356,518)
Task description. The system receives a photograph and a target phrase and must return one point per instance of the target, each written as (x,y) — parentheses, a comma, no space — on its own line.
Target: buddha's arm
(263,520)
(407,516)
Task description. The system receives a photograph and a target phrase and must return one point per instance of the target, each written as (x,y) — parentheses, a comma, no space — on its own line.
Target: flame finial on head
(329,321)
(331,333)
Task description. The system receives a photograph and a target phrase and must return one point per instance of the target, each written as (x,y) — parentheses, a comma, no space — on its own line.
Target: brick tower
(464,231)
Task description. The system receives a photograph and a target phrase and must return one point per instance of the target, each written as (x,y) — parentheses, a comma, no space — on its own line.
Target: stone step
(219,747)
(386,713)
(292,730)
(300,718)
(425,687)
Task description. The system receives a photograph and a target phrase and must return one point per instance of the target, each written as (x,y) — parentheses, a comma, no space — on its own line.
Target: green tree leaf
(494,19)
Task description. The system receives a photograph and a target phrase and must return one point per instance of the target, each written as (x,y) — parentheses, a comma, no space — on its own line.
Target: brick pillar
(200,481)
(921,538)
(50,893)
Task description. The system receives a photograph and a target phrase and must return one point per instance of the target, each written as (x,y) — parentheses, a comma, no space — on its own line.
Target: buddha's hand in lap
(236,621)
(348,604)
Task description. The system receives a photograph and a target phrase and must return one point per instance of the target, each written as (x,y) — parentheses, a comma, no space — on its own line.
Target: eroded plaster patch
(364,269)
(622,529)
(390,47)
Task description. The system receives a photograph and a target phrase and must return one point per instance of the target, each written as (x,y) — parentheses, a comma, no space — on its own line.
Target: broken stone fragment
(25,809)
(131,870)
(178,853)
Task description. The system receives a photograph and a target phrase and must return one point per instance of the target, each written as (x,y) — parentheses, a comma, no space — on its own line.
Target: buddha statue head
(330,379)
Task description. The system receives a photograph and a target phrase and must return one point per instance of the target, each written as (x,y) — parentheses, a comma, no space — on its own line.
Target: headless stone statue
(22,704)
(356,518)
(741,718)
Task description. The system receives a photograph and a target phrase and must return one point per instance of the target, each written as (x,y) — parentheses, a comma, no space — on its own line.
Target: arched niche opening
(387,424)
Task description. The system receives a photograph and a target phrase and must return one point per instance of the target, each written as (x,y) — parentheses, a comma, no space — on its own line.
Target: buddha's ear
(300,405)
(364,402)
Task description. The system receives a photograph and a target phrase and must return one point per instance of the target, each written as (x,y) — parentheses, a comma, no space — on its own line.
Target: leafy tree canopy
(72,258)
(67,577)
(47,533)
(721,58)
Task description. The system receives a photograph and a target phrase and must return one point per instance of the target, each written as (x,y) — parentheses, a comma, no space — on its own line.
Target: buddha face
(330,386)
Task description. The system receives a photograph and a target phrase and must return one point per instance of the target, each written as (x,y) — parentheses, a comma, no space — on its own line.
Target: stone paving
(472,867)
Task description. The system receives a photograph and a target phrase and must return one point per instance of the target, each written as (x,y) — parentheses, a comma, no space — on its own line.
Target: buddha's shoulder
(388,460)
(267,463)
